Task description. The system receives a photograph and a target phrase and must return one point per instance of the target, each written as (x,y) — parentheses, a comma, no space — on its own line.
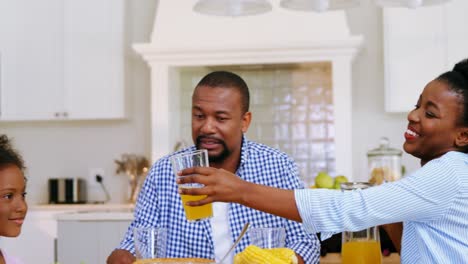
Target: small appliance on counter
(67,191)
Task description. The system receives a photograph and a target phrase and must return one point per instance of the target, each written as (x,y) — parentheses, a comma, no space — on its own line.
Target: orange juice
(361,252)
(193,213)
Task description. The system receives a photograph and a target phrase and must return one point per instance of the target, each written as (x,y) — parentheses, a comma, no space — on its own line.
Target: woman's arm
(223,186)
(271,200)
(426,196)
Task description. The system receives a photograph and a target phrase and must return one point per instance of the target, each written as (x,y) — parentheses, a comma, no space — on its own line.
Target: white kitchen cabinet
(94,53)
(36,243)
(419,45)
(90,238)
(39,242)
(61,59)
(31,61)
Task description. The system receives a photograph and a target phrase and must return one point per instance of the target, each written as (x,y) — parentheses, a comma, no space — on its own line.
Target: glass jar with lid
(384,163)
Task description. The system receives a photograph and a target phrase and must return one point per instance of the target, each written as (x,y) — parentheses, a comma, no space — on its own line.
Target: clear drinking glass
(150,242)
(197,158)
(267,237)
(362,246)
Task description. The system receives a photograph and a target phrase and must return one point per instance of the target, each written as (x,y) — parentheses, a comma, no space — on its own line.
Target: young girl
(13,206)
(432,202)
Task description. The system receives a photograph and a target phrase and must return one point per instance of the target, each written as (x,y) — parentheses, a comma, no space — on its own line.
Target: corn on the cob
(285,254)
(255,255)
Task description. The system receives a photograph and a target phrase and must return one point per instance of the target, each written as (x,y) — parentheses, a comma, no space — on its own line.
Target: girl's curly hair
(8,155)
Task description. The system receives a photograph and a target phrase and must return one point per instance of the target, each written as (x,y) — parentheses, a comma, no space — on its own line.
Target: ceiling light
(232,7)
(409,3)
(318,5)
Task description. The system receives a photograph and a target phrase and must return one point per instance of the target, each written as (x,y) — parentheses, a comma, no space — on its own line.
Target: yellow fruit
(285,254)
(338,181)
(255,255)
(323,180)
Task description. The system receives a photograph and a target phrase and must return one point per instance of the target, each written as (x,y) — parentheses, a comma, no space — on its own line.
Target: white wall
(370,121)
(68,149)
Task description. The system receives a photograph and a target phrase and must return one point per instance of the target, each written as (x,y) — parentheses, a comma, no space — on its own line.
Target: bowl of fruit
(326,181)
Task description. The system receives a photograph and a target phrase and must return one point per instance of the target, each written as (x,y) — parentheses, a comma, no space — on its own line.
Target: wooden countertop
(335,258)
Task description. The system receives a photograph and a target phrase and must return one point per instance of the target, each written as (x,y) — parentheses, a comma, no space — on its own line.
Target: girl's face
(433,128)
(13,206)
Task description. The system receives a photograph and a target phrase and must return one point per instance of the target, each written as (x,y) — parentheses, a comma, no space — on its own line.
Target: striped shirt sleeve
(425,195)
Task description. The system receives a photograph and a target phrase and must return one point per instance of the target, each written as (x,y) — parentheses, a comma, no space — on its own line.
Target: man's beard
(217,158)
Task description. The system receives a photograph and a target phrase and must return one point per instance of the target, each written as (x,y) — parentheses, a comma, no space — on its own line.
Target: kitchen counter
(87,212)
(82,207)
(96,216)
(107,225)
(42,224)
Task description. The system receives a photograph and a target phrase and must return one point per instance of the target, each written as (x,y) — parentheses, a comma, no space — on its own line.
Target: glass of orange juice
(196,158)
(362,246)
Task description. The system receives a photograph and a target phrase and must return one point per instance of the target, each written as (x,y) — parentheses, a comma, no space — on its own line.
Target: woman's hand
(223,186)
(220,185)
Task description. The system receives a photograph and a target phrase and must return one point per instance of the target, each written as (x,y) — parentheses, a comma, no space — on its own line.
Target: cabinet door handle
(65,114)
(55,251)
(57,114)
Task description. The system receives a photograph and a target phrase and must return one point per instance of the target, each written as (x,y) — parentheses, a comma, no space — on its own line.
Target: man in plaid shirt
(220,117)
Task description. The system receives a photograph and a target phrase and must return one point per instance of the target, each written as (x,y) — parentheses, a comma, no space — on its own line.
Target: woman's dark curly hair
(457,79)
(8,155)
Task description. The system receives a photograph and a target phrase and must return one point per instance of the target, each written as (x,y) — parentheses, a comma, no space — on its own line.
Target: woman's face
(433,127)
(13,206)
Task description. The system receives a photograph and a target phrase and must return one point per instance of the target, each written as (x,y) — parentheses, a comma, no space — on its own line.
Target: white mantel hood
(183,38)
(177,27)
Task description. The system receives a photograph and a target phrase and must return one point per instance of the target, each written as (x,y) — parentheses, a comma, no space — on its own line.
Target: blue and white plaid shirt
(159,205)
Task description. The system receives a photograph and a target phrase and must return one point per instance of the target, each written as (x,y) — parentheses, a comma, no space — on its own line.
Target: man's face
(218,122)
(12,203)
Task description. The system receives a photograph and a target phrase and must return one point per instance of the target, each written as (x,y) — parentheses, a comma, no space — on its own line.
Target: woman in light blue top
(432,202)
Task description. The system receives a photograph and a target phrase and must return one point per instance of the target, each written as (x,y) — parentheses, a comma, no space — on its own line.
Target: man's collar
(244,150)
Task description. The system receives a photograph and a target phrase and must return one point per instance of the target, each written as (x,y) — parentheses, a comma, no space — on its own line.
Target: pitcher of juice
(361,247)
